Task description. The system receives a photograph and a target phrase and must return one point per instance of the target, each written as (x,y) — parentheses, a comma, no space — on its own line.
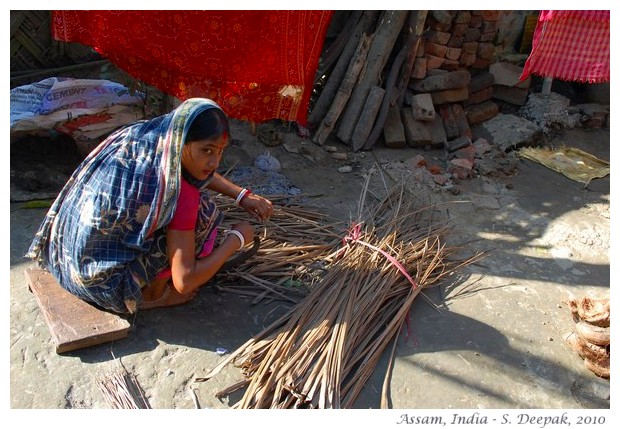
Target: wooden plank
(324,102)
(387,32)
(398,77)
(73,323)
(344,92)
(367,117)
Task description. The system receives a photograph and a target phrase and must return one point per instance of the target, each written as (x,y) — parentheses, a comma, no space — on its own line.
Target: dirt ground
(498,346)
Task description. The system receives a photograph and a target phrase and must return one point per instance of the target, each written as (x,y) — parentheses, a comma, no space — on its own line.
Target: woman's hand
(260,207)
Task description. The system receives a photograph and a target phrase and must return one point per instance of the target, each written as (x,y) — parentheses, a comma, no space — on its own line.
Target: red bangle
(242,195)
(247,192)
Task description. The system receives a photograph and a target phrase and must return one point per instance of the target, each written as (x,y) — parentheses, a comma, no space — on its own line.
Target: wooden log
(387,32)
(333,52)
(416,28)
(366,120)
(335,78)
(344,92)
(382,113)
(394,131)
(398,79)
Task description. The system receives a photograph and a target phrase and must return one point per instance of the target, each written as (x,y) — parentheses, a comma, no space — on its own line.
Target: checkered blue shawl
(104,236)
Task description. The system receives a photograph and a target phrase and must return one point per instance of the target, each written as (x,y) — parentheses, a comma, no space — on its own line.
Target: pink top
(186,213)
(184,219)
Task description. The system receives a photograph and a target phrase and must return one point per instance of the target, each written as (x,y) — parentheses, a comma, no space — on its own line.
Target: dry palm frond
(324,350)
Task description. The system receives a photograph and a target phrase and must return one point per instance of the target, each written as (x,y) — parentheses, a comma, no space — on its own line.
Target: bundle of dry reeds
(293,243)
(323,351)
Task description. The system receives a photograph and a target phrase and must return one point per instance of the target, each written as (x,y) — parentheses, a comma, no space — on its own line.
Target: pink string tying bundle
(354,236)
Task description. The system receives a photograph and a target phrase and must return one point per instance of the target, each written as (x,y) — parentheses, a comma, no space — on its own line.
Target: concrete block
(509,132)
(422,107)
(417,134)
(510,94)
(508,74)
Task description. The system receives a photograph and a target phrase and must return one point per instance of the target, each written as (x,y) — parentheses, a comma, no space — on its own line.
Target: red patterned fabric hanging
(257,65)
(571,45)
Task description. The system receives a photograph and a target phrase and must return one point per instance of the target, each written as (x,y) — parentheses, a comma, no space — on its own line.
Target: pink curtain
(571,45)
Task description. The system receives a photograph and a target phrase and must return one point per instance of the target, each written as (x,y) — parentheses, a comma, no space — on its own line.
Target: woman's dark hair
(208,125)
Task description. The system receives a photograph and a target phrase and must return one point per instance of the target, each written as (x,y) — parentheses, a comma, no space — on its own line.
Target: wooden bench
(73,323)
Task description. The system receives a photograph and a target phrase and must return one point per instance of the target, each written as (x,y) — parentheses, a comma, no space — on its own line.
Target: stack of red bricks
(450,77)
(458,39)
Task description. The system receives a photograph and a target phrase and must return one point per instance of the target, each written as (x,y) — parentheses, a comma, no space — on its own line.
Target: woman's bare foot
(164,295)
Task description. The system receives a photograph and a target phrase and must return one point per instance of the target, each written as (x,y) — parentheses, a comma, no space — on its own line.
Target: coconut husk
(591,310)
(593,334)
(601,368)
(586,349)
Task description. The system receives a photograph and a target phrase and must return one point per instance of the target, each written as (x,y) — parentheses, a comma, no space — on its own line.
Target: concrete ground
(496,345)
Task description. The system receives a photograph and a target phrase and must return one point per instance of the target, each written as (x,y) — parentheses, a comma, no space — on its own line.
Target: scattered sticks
(121,390)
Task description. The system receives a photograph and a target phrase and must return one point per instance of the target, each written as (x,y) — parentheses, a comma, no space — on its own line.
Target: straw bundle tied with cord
(323,351)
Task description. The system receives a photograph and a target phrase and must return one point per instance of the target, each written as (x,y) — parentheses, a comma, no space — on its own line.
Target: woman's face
(202,157)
